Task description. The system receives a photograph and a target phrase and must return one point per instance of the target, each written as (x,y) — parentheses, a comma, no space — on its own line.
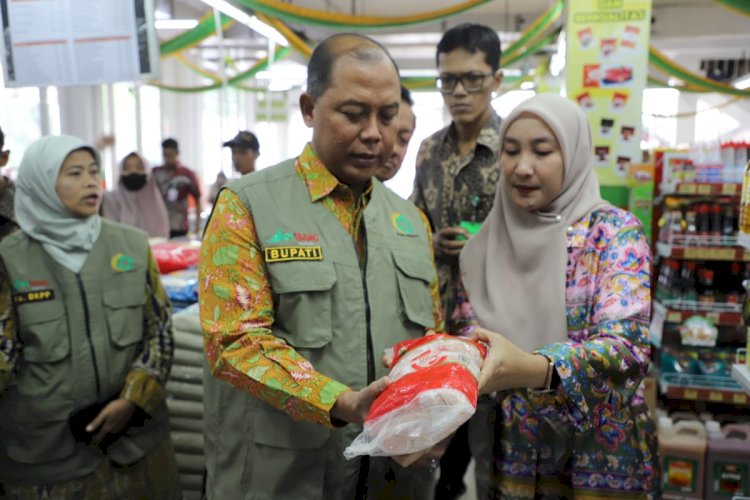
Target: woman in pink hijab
(559,282)
(137,201)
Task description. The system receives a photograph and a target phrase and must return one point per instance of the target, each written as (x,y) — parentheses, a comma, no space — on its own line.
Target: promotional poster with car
(607,67)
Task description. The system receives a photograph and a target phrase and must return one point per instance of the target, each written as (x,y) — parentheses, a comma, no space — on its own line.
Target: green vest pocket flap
(414,276)
(124,310)
(128,297)
(279,430)
(290,277)
(414,266)
(43,332)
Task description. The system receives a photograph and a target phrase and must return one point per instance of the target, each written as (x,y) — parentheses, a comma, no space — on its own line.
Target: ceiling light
(175,24)
(251,21)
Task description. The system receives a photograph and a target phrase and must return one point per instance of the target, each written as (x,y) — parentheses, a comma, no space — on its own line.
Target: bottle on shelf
(682,451)
(707,293)
(727,461)
(689,294)
(704,221)
(733,284)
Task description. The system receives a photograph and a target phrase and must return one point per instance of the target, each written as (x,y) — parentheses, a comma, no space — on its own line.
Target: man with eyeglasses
(456,177)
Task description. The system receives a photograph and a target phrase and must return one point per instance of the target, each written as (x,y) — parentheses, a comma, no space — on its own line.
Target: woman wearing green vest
(85,342)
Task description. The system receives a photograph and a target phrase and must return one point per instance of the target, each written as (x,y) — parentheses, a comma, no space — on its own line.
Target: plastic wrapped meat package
(432,391)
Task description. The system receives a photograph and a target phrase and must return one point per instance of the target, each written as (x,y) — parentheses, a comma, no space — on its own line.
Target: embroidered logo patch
(280,236)
(403,225)
(286,254)
(33,296)
(34,284)
(121,263)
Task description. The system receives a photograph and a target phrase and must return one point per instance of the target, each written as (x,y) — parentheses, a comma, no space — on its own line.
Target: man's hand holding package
(353,406)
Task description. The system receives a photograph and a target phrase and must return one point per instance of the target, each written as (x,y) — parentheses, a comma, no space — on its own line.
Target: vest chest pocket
(124,311)
(414,275)
(43,331)
(303,293)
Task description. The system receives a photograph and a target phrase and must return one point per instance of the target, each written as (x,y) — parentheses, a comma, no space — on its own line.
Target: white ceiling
(686,30)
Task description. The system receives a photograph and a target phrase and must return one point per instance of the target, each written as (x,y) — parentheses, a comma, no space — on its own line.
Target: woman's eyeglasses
(471,82)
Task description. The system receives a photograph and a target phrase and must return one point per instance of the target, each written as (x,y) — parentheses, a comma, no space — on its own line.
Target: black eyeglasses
(471,82)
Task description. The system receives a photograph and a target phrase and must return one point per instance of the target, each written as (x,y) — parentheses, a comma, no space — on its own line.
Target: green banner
(306,15)
(206,28)
(739,6)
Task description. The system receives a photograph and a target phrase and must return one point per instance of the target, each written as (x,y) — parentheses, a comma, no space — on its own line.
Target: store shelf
(726,389)
(727,254)
(741,373)
(719,318)
(701,189)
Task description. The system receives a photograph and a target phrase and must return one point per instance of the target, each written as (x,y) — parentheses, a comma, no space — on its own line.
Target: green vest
(79,334)
(329,310)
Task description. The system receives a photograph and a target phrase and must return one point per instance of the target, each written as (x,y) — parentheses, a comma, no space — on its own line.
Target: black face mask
(133,182)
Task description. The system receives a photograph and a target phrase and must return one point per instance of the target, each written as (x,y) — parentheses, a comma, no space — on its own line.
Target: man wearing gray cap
(245,150)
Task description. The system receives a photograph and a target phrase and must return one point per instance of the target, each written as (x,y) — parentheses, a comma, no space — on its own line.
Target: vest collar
(319,180)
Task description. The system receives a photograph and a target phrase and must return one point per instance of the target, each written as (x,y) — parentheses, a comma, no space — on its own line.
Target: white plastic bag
(433,391)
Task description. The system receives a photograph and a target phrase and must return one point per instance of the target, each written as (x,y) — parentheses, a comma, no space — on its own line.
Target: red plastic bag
(433,391)
(176,255)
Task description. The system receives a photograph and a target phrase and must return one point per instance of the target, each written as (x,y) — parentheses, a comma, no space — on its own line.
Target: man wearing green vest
(309,270)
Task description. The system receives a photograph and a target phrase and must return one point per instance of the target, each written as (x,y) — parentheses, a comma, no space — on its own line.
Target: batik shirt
(236,301)
(144,383)
(7,214)
(450,188)
(593,435)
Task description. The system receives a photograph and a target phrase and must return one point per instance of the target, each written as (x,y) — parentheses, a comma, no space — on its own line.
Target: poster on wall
(606,71)
(77,42)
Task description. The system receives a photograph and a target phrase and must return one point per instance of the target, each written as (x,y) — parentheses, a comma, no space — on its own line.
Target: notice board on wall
(77,42)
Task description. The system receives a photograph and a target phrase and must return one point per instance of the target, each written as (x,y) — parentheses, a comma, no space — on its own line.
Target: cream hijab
(40,213)
(514,269)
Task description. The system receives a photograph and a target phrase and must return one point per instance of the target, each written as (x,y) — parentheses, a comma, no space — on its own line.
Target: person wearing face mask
(564,279)
(85,341)
(137,201)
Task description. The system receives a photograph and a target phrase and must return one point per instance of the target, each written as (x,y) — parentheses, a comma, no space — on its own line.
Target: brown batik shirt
(449,189)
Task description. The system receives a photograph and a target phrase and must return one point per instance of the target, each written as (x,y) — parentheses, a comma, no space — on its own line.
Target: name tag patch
(33,296)
(289,253)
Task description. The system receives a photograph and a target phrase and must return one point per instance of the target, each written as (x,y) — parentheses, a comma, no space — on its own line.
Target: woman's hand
(111,420)
(508,367)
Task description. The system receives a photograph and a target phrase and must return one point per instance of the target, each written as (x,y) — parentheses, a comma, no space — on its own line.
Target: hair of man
(472,38)
(360,47)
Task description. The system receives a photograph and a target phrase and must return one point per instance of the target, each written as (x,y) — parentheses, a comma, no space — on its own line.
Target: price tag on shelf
(713,316)
(715,396)
(704,188)
(674,317)
(739,398)
(729,188)
(692,253)
(690,394)
(686,188)
(711,253)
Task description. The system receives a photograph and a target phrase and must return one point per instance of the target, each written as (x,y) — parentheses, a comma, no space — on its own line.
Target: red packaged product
(433,391)
(176,255)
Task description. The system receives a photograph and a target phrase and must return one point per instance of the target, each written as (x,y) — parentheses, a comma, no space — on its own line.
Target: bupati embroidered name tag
(33,296)
(286,254)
